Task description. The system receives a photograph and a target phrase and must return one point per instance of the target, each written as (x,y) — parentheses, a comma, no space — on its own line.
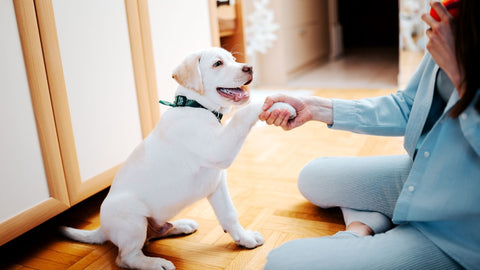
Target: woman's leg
(403,247)
(366,188)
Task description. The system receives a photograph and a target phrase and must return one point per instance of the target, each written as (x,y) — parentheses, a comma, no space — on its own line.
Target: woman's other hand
(441,43)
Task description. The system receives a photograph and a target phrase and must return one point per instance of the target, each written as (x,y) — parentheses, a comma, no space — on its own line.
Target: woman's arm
(307,108)
(386,115)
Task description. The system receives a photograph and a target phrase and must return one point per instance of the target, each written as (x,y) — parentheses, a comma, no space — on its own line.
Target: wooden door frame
(143,63)
(47,135)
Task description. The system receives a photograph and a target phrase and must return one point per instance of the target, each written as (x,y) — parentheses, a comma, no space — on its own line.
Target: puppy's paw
(184,226)
(144,262)
(284,106)
(250,239)
(162,264)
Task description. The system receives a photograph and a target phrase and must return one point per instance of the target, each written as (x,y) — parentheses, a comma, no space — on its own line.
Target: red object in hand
(450,5)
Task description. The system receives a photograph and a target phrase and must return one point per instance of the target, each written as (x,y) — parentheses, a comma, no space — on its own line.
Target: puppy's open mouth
(236,94)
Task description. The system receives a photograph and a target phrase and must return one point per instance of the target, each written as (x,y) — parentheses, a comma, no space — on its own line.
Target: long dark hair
(467,46)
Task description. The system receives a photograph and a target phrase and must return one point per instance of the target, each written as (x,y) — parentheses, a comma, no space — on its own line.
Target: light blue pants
(365,184)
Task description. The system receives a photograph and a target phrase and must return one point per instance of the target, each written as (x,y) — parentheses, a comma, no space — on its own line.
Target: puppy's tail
(92,237)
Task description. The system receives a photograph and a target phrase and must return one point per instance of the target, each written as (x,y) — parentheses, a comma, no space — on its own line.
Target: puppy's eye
(218,63)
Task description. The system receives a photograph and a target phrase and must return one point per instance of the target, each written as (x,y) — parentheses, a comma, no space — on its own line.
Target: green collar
(183,101)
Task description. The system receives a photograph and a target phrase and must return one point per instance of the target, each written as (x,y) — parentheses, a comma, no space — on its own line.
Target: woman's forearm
(321,109)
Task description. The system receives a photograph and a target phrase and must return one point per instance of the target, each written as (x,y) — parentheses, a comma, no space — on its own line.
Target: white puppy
(182,161)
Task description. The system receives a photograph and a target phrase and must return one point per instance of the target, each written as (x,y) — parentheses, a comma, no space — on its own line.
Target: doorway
(370,48)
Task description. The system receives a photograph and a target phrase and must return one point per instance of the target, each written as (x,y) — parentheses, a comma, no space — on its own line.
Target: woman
(417,211)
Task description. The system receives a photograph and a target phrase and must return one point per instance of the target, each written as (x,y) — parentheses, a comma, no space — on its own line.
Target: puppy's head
(216,76)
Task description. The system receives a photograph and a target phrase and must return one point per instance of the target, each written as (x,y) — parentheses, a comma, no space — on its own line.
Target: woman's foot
(370,223)
(359,228)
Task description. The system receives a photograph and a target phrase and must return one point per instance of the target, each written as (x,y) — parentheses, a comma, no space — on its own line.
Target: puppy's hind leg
(130,253)
(178,227)
(128,232)
(183,226)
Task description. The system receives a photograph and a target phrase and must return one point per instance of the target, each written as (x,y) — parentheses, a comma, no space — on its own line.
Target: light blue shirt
(441,196)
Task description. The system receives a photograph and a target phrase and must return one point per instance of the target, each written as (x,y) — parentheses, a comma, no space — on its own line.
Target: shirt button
(463,116)
(426,154)
(411,188)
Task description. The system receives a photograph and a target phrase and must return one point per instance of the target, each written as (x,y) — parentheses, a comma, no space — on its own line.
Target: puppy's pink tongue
(240,96)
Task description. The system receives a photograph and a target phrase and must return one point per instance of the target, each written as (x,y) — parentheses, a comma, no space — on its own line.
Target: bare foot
(359,228)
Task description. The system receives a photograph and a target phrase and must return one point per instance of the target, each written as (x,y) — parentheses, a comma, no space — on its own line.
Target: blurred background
(337,43)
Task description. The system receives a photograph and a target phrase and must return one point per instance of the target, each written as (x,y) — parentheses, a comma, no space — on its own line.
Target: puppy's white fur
(182,161)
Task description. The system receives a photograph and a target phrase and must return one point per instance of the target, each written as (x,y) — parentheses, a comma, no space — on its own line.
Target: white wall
(178,28)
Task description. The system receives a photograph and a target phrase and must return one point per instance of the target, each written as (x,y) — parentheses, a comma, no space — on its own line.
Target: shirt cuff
(344,114)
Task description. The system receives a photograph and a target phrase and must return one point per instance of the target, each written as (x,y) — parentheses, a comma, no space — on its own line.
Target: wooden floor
(262,183)
(363,67)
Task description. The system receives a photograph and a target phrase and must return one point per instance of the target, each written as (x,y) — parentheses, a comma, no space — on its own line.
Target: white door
(23,181)
(95,93)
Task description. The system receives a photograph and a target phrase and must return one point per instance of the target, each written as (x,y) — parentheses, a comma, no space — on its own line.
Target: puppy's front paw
(250,239)
(284,106)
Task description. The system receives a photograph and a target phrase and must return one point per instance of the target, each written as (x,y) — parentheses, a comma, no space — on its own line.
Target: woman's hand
(441,43)
(280,117)
(307,108)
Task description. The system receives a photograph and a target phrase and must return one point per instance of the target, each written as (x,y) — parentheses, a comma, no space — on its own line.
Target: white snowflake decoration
(261,30)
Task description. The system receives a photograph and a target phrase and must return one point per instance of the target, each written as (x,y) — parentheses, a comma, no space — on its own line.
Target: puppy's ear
(188,75)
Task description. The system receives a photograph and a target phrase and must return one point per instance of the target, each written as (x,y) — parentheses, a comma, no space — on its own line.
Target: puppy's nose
(248,69)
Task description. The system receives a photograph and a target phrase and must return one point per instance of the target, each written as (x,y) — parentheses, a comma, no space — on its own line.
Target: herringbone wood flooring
(262,183)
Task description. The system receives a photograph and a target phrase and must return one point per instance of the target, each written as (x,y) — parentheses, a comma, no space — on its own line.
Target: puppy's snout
(248,69)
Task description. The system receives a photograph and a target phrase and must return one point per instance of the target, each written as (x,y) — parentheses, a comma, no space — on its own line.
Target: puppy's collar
(183,101)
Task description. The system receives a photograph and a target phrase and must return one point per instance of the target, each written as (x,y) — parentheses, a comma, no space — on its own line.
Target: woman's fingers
(429,20)
(441,10)
(276,117)
(269,101)
(282,118)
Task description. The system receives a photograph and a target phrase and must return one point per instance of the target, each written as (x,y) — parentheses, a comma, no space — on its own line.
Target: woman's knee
(318,181)
(343,181)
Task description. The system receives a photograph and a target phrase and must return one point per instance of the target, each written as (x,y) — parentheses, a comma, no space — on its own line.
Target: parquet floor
(262,183)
